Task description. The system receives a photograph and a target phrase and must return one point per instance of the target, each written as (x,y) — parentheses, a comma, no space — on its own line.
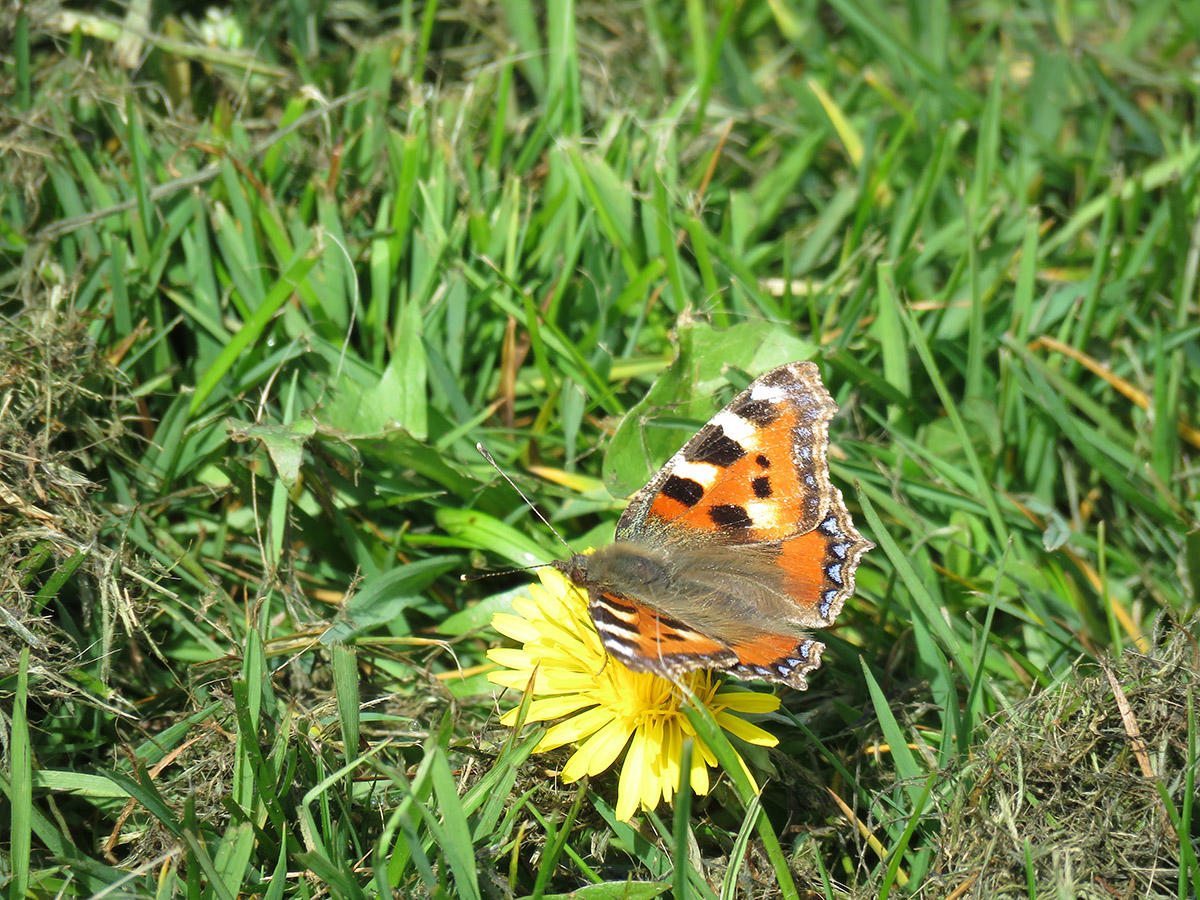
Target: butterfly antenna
(483,451)
(468,578)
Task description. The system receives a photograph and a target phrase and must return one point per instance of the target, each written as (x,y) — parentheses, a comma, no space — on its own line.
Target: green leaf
(284,444)
(385,598)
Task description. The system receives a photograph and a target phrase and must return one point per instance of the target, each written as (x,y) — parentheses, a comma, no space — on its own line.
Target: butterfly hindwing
(645,640)
(779,658)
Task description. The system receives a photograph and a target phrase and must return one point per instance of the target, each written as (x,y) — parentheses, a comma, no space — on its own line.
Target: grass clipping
(60,422)
(1067,794)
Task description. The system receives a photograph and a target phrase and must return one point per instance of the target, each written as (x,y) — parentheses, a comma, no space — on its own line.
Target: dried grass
(1059,794)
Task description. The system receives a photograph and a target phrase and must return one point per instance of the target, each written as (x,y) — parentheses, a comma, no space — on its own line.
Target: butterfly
(736,548)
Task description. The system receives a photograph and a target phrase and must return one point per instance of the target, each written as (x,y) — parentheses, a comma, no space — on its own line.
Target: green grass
(263,295)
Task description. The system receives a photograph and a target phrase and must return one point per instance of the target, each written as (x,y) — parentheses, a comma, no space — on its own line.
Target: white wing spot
(763,513)
(736,428)
(772,393)
(704,474)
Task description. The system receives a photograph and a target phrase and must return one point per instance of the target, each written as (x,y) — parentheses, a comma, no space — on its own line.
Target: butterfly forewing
(755,472)
(645,640)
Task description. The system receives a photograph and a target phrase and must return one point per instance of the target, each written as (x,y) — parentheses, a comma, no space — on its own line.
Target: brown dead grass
(56,413)
(1065,792)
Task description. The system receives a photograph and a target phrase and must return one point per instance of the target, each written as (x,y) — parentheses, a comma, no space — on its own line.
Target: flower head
(604,707)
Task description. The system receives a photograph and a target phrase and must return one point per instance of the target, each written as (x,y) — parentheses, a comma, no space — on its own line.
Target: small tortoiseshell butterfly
(736,548)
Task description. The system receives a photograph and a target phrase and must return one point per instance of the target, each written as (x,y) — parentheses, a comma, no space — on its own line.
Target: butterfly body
(736,548)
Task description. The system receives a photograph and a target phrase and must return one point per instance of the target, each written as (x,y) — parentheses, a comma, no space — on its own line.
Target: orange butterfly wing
(755,476)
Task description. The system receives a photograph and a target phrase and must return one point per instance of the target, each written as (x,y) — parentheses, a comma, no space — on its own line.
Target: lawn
(271,272)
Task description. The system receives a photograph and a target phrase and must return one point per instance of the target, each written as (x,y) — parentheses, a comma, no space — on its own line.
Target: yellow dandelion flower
(606,709)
